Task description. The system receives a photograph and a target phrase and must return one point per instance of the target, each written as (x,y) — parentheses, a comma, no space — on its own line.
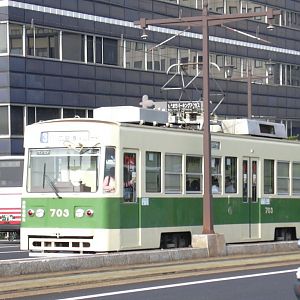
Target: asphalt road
(200,280)
(11,250)
(274,283)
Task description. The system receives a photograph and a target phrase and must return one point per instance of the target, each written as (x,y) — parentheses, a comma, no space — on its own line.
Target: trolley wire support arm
(212,20)
(205,21)
(181,73)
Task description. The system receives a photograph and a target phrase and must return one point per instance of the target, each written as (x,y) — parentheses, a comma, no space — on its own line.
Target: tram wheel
(285,234)
(175,240)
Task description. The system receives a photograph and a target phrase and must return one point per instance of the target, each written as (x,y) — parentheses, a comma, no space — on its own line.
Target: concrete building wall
(34,81)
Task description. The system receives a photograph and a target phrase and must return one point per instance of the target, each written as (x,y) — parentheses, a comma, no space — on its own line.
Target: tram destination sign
(175,107)
(51,137)
(186,106)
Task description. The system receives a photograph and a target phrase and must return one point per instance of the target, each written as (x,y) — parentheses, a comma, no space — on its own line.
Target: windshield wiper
(50,182)
(82,150)
(54,188)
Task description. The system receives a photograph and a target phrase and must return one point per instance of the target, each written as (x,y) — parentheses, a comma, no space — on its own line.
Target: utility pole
(205,21)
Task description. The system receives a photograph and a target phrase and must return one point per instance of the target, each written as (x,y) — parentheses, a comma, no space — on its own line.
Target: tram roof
(130,116)
(141,115)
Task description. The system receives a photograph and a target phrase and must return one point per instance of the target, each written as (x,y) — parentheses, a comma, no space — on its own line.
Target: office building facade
(60,58)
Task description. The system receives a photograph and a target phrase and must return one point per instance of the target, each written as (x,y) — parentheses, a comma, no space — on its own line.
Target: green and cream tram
(95,185)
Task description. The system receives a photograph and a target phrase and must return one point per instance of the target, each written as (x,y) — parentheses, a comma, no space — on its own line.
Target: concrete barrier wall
(85,262)
(258,248)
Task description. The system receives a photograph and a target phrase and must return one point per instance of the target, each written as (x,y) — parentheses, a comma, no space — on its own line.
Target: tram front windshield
(61,170)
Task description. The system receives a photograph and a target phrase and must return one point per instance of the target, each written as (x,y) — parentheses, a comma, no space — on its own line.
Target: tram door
(129,214)
(250,198)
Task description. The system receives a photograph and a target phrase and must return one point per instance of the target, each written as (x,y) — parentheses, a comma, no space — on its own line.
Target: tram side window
(173,173)
(109,182)
(269,176)
(193,174)
(230,174)
(216,175)
(129,177)
(153,172)
(296,178)
(283,177)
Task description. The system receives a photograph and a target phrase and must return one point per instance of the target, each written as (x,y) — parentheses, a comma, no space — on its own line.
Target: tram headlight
(30,212)
(79,213)
(40,213)
(89,212)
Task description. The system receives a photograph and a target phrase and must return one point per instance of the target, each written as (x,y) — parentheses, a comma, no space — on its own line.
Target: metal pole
(207,196)
(206,21)
(249,94)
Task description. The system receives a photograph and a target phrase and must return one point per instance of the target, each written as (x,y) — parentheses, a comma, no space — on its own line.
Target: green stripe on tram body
(113,213)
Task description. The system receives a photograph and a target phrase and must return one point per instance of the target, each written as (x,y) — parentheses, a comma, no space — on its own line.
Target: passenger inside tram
(109,183)
(215,185)
(229,188)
